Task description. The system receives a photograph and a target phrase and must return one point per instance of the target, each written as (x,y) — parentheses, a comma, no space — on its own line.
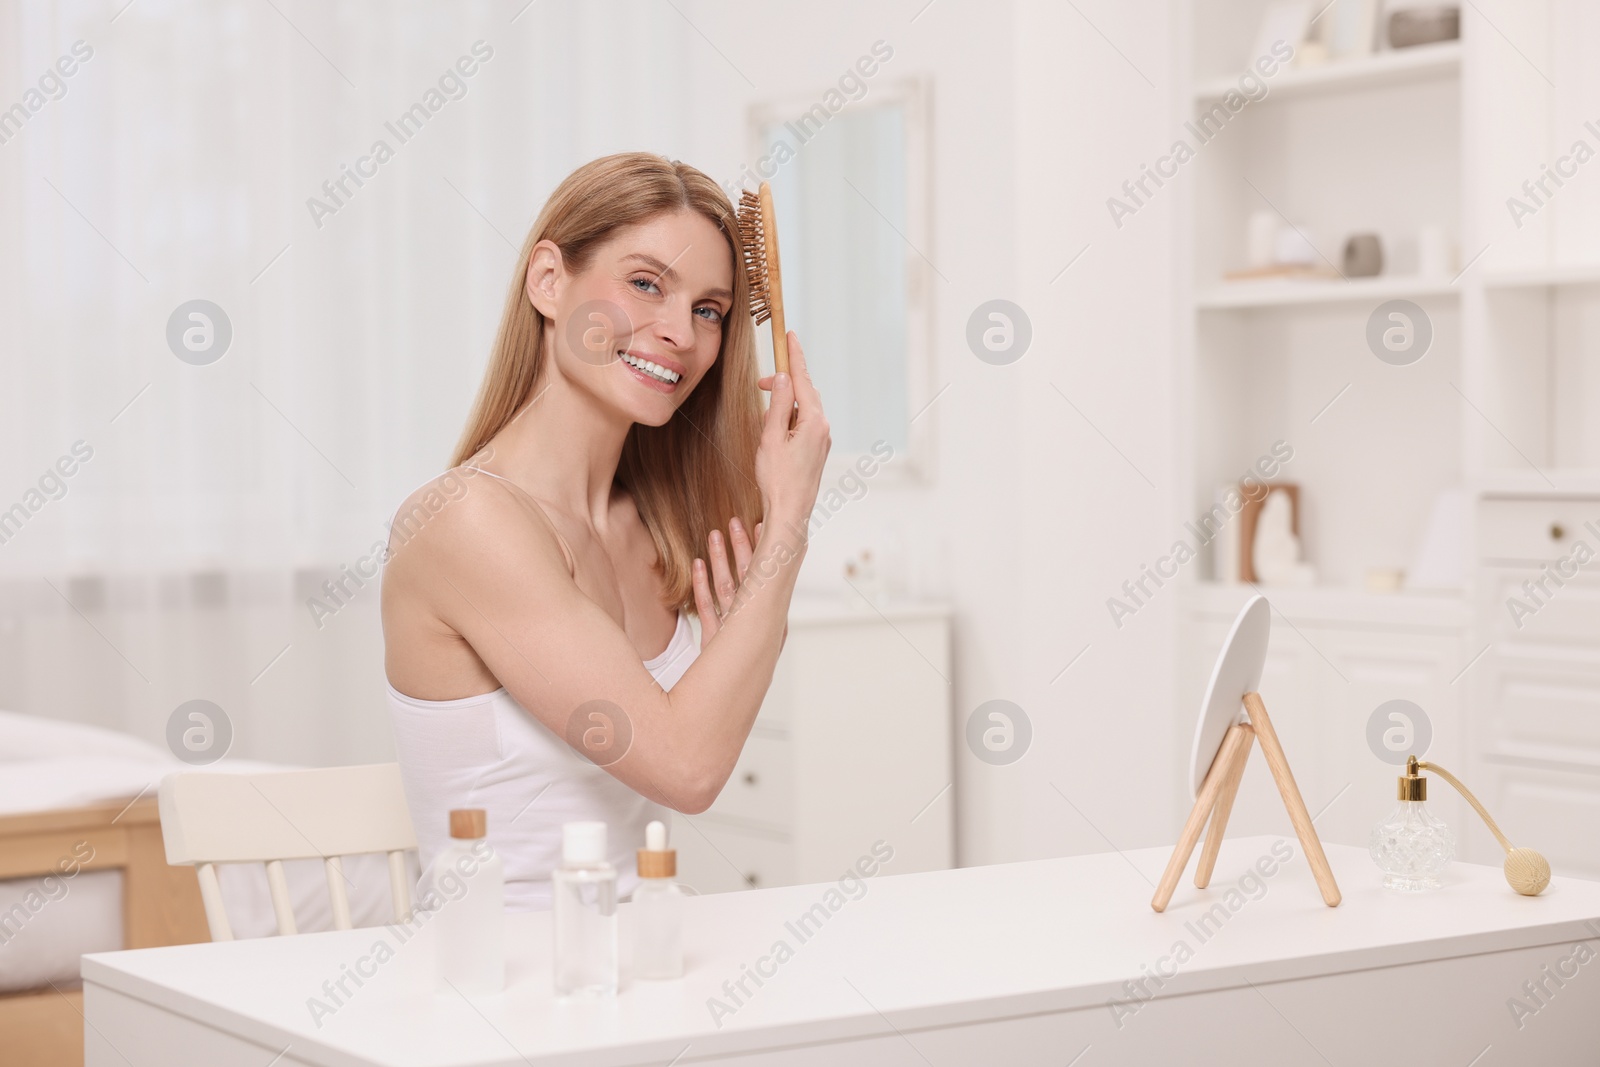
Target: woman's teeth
(659,373)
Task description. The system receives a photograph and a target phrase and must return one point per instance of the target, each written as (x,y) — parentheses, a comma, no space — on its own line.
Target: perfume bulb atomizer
(1526,870)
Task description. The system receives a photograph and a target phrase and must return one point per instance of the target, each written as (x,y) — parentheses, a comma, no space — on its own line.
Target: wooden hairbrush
(758,233)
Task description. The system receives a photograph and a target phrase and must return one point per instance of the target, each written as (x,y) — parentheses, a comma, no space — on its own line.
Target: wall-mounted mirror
(850,187)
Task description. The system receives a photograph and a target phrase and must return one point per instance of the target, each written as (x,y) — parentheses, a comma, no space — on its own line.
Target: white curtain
(174,164)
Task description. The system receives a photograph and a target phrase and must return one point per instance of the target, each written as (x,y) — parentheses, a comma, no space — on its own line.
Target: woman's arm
(507,590)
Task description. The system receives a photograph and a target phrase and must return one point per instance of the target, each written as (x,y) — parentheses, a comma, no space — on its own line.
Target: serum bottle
(472,943)
(657,909)
(584,906)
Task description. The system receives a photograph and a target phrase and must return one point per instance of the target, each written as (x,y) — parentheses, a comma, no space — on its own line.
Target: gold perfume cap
(1412,785)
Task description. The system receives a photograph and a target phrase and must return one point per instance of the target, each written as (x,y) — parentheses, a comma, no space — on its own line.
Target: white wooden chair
(209,818)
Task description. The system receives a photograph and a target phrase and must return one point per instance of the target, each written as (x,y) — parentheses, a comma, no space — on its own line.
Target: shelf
(1563,482)
(1402,66)
(1288,292)
(1538,277)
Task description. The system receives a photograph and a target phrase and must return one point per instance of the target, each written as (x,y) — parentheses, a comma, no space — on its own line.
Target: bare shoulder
(464,516)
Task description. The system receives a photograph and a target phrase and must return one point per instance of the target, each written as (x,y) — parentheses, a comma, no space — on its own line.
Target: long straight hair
(689,476)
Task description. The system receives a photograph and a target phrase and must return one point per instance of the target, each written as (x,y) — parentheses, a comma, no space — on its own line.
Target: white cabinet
(1501,402)
(1536,707)
(852,746)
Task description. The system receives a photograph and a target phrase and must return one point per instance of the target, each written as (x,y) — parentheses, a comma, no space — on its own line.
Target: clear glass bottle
(657,909)
(584,903)
(471,921)
(1412,846)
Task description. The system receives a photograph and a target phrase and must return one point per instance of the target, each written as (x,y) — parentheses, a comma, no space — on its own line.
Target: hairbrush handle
(769,234)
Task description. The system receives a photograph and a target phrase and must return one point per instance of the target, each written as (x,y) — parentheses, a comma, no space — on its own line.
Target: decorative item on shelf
(1293,248)
(1349,30)
(1276,249)
(1319,272)
(1260,239)
(1385,579)
(1283,20)
(1311,53)
(1269,536)
(1410,26)
(1440,560)
(1363,256)
(1232,717)
(1412,846)
(862,575)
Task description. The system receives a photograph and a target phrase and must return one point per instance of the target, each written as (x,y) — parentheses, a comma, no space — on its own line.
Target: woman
(535,601)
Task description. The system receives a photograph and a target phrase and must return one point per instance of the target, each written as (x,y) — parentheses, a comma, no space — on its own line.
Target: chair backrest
(209,818)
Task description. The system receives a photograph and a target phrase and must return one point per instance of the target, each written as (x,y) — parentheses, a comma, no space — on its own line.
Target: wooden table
(1024,963)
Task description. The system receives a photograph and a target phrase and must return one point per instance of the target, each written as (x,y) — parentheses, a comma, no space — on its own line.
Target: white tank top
(489,752)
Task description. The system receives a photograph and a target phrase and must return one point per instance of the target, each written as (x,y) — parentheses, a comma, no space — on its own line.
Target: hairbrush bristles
(758,234)
(753,240)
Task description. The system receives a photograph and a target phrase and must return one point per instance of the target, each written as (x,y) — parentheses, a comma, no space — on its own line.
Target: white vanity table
(1009,964)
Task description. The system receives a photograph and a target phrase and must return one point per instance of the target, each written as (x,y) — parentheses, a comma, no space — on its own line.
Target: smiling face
(641,325)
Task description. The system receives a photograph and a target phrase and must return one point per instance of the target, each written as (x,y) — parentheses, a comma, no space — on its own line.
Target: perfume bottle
(1412,845)
(584,903)
(657,909)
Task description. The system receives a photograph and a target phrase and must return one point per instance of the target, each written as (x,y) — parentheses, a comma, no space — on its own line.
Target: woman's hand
(789,472)
(789,459)
(721,577)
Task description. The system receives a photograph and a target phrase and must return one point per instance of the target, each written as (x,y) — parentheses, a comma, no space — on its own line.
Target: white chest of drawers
(1535,725)
(852,747)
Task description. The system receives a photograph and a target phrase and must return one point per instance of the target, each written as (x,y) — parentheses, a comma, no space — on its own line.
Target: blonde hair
(689,476)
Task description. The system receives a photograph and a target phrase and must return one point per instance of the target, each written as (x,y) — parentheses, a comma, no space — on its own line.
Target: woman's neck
(563,448)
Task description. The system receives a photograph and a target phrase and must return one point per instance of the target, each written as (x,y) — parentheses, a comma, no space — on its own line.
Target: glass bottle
(584,903)
(657,909)
(1412,845)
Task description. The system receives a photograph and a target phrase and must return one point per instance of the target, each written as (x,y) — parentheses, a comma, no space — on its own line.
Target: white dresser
(852,746)
(1535,722)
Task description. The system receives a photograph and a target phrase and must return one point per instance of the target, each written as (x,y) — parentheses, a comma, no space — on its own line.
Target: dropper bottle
(657,909)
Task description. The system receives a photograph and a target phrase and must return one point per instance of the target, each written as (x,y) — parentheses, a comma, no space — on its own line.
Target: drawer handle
(1557,531)
(749,777)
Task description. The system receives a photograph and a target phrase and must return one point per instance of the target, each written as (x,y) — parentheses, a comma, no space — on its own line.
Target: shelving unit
(1292,292)
(1543,277)
(1504,407)
(1375,72)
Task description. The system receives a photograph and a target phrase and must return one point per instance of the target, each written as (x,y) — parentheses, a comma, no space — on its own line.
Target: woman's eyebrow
(664,270)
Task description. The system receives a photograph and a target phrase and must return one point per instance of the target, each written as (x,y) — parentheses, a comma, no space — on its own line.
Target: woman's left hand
(713,608)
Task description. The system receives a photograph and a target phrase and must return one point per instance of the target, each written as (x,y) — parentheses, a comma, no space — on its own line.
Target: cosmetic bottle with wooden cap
(469,881)
(657,909)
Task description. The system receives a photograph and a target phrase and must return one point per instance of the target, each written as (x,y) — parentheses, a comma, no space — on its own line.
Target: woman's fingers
(742,548)
(776,429)
(721,577)
(805,393)
(709,622)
